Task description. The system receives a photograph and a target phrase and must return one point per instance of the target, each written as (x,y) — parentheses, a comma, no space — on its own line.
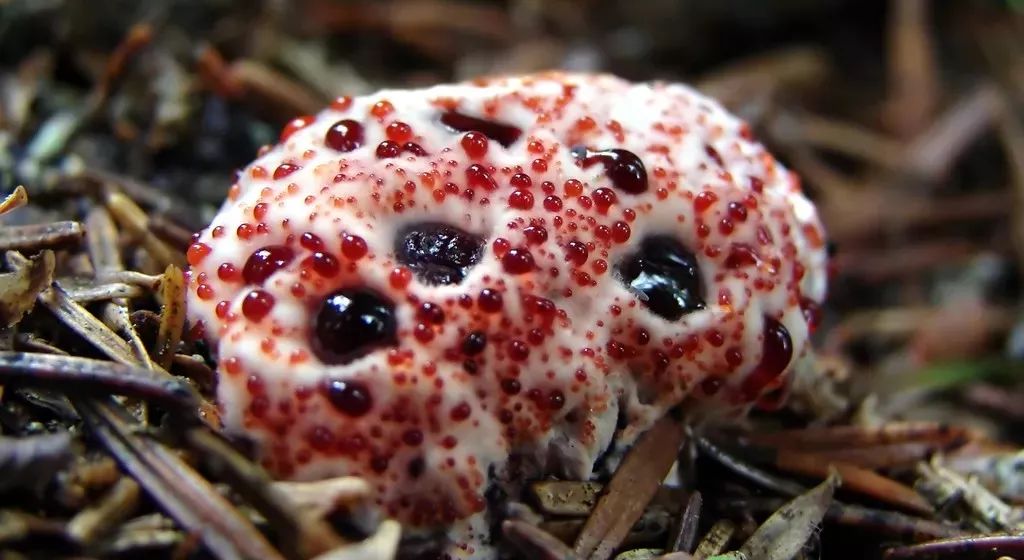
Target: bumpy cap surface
(415,286)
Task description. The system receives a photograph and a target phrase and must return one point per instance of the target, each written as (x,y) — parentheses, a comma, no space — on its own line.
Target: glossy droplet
(257,304)
(344,135)
(665,276)
(504,134)
(437,253)
(351,323)
(351,398)
(264,262)
(624,168)
(776,353)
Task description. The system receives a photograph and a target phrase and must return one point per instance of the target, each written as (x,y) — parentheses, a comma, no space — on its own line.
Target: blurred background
(903,117)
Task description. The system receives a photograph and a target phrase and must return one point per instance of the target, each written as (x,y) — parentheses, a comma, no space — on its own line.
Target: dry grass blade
(104,292)
(134,220)
(716,540)
(57,300)
(94,376)
(172,318)
(119,503)
(891,524)
(688,521)
(57,235)
(15,200)
(783,534)
(534,542)
(183,493)
(631,488)
(966,548)
(856,479)
(933,152)
(19,288)
(913,74)
(845,437)
(303,535)
(102,242)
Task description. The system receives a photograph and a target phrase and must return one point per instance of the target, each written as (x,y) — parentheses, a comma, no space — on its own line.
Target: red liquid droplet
(294,125)
(285,169)
(264,262)
(576,252)
(624,168)
(776,353)
(353,246)
(522,200)
(535,235)
(388,149)
(197,252)
(552,203)
(414,149)
(351,398)
(518,350)
(517,261)
(257,304)
(474,144)
(325,264)
(740,256)
(490,300)
(460,412)
(344,135)
(603,199)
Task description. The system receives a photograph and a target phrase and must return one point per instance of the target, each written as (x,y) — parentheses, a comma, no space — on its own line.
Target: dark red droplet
(351,398)
(460,412)
(517,261)
(776,353)
(603,199)
(388,149)
(624,168)
(490,300)
(344,135)
(325,264)
(510,386)
(353,246)
(740,256)
(351,323)
(474,343)
(535,235)
(812,313)
(501,133)
(264,262)
(552,203)
(576,252)
(412,437)
(430,312)
(257,304)
(414,149)
(518,350)
(311,241)
(285,169)
(520,199)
